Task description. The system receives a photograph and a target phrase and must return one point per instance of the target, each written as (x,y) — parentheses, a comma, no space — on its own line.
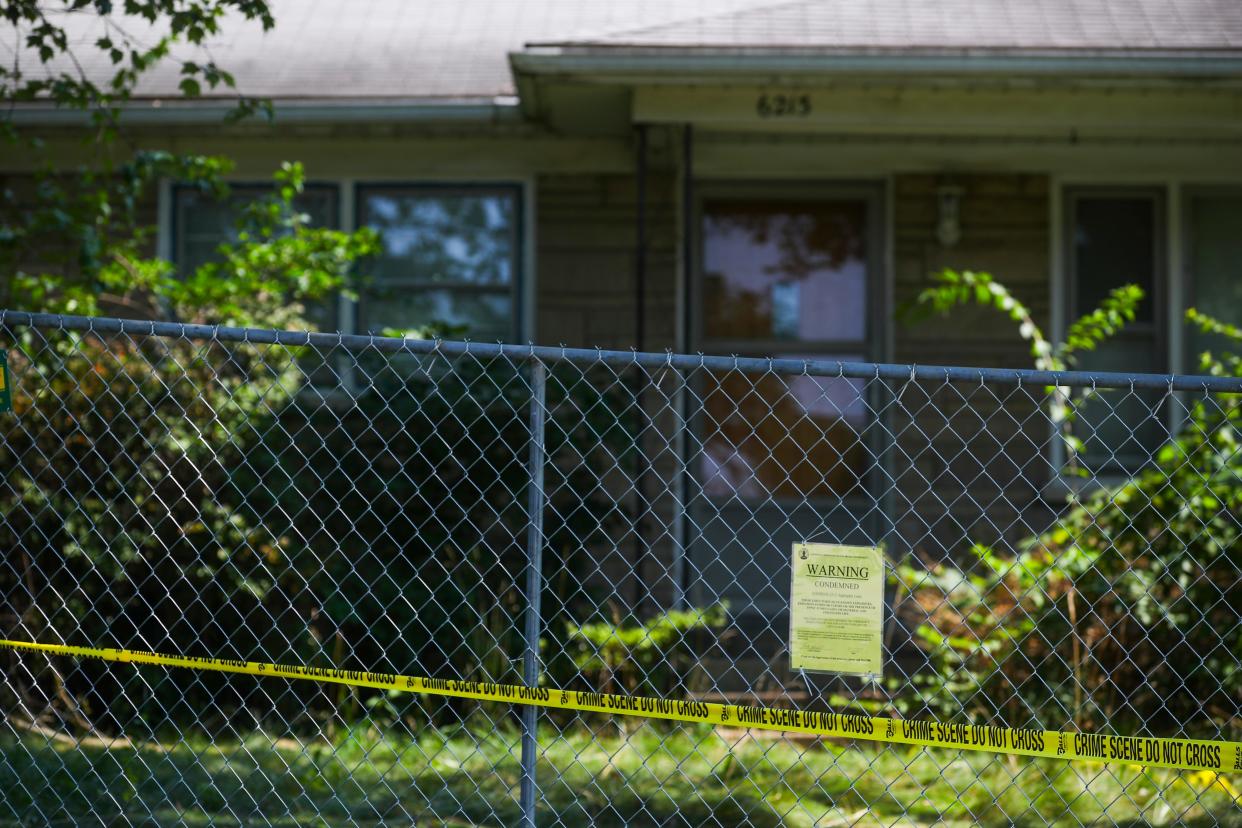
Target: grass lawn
(653,775)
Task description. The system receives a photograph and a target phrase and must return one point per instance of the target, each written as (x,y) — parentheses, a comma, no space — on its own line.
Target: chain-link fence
(1062,553)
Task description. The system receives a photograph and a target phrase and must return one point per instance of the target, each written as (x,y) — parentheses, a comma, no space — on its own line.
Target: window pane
(1216,267)
(1116,242)
(1121,428)
(1114,245)
(486,316)
(783,436)
(439,248)
(203,222)
(785,270)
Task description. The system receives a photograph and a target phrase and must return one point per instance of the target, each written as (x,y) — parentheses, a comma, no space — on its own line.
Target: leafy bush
(1116,613)
(121,508)
(650,657)
(411,505)
(952,288)
(116,501)
(182,496)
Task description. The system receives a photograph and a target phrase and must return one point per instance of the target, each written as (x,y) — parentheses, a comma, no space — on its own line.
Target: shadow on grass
(651,776)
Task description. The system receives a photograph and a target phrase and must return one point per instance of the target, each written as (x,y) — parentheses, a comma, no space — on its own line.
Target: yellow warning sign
(836,609)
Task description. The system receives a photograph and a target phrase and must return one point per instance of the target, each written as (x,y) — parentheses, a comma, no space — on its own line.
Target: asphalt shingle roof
(983,25)
(449,49)
(458,49)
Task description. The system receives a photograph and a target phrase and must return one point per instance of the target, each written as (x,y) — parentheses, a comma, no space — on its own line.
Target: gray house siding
(1006,232)
(586,260)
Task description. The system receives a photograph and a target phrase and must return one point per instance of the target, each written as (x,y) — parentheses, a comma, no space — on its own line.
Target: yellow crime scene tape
(1181,754)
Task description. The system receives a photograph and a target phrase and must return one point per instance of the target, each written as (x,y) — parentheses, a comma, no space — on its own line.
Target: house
(747,176)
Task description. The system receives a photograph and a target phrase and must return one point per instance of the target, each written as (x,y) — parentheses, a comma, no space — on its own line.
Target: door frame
(874,522)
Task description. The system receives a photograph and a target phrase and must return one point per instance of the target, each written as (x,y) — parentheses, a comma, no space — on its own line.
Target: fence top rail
(553,354)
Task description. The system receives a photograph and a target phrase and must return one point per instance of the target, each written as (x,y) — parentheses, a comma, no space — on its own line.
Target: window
(201,223)
(1116,236)
(451,253)
(1213,258)
(450,257)
(786,277)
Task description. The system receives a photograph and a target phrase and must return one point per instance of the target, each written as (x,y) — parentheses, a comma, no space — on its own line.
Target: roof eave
(678,64)
(166,111)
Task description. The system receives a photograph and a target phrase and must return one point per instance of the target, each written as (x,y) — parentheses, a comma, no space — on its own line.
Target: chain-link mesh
(1062,553)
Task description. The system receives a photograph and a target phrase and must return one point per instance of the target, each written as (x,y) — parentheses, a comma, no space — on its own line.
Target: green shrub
(651,657)
(410,503)
(123,510)
(1119,612)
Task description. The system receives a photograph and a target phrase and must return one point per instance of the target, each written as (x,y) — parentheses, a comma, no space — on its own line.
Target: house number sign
(783,105)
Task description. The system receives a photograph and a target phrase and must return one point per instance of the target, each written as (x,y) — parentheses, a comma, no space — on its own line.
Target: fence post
(534,588)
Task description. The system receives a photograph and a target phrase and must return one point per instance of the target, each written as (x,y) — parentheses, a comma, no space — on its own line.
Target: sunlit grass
(588,774)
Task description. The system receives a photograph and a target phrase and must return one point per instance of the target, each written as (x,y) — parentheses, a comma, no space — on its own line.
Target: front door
(785,272)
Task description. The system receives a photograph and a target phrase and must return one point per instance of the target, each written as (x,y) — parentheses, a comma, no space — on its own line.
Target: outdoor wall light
(948,218)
